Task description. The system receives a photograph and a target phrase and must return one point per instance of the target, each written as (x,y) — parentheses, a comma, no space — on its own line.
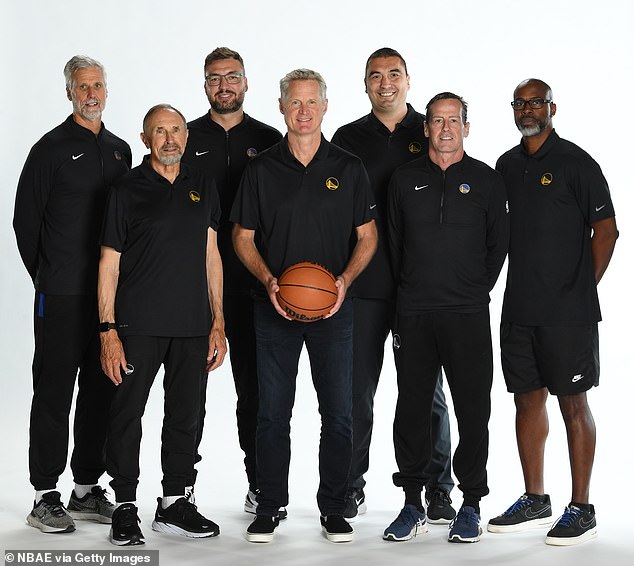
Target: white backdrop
(154,52)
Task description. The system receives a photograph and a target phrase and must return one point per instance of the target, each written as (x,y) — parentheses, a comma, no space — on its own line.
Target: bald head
(537,83)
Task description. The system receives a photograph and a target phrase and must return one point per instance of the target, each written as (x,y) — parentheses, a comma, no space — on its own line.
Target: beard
(227,106)
(531,130)
(172,159)
(89,113)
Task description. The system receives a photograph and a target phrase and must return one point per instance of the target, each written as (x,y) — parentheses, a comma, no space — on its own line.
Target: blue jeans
(279,344)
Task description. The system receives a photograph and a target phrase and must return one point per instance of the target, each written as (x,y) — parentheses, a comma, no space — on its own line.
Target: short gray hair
(158,107)
(81,62)
(302,75)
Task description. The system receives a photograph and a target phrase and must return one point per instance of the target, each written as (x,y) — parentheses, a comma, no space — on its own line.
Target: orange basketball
(307,291)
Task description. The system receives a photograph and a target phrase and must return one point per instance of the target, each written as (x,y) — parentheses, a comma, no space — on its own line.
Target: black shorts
(565,359)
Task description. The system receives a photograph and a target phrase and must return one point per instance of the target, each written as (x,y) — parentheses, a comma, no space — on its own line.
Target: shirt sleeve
(591,191)
(214,209)
(364,204)
(114,231)
(245,210)
(34,187)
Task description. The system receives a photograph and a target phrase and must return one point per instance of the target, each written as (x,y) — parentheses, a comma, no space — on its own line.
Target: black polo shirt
(60,202)
(225,155)
(304,213)
(382,152)
(160,229)
(448,234)
(554,196)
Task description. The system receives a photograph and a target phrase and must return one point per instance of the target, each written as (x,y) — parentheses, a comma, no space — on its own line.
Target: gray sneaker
(94,506)
(50,516)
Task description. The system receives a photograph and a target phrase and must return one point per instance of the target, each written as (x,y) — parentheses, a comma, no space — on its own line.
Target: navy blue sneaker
(466,526)
(573,527)
(409,523)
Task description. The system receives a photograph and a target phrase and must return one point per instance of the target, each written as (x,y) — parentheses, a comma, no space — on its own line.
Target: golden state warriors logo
(252,152)
(194,196)
(464,188)
(547,179)
(117,155)
(332,183)
(415,147)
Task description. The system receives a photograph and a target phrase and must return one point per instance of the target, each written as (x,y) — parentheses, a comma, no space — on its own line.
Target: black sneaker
(573,527)
(526,513)
(50,516)
(125,530)
(262,529)
(182,518)
(439,509)
(336,528)
(94,506)
(355,504)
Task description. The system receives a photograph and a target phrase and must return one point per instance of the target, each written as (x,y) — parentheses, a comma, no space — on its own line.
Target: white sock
(82,490)
(166,501)
(119,503)
(38,495)
(189,494)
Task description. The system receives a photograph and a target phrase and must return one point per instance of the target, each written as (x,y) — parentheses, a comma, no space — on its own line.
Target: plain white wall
(154,52)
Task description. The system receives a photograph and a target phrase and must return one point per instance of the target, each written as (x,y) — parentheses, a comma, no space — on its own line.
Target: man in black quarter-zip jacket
(448,232)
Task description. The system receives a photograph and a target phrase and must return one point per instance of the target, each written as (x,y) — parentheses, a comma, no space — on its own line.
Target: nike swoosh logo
(358,501)
(372,206)
(76,157)
(199,153)
(597,208)
(585,524)
(576,378)
(416,188)
(532,515)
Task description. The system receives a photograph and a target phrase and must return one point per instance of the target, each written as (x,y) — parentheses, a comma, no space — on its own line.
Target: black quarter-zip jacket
(60,203)
(448,234)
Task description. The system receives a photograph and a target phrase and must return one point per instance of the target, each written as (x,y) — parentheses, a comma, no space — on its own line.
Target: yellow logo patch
(332,183)
(415,147)
(464,188)
(547,179)
(194,196)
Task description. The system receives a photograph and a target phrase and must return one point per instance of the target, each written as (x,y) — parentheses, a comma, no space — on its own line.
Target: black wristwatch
(105,326)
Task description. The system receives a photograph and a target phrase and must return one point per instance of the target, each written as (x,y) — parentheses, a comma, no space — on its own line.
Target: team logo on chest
(117,155)
(194,196)
(464,188)
(332,183)
(415,147)
(251,152)
(547,179)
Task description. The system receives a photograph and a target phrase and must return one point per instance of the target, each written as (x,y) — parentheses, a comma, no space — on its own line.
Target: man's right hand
(273,288)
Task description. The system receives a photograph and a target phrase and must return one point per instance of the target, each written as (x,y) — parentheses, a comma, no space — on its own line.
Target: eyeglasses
(231,78)
(520,103)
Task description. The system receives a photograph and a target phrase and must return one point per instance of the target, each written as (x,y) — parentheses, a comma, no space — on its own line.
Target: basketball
(307,291)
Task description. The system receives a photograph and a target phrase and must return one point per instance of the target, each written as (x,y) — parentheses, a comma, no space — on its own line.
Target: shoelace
(465,518)
(407,517)
(569,516)
(129,518)
(56,509)
(520,504)
(100,494)
(441,497)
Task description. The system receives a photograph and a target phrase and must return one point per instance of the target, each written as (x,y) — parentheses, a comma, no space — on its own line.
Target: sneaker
(125,530)
(466,526)
(262,529)
(526,513)
(355,504)
(94,506)
(439,509)
(336,528)
(573,527)
(50,516)
(190,495)
(251,506)
(409,523)
(182,518)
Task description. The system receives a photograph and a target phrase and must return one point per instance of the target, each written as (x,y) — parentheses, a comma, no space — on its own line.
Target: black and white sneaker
(573,527)
(262,529)
(50,516)
(94,506)
(125,530)
(528,512)
(439,509)
(355,504)
(336,528)
(182,518)
(251,506)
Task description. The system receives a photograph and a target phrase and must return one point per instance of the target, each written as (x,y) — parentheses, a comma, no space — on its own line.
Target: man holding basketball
(390,135)
(563,233)
(222,142)
(306,198)
(448,232)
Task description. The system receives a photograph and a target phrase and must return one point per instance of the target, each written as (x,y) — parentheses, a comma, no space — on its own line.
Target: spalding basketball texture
(307,291)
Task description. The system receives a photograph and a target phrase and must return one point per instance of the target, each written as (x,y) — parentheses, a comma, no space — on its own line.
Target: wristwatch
(105,326)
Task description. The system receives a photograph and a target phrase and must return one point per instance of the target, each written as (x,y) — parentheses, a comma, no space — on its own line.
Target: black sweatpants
(238,311)
(184,360)
(67,341)
(461,344)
